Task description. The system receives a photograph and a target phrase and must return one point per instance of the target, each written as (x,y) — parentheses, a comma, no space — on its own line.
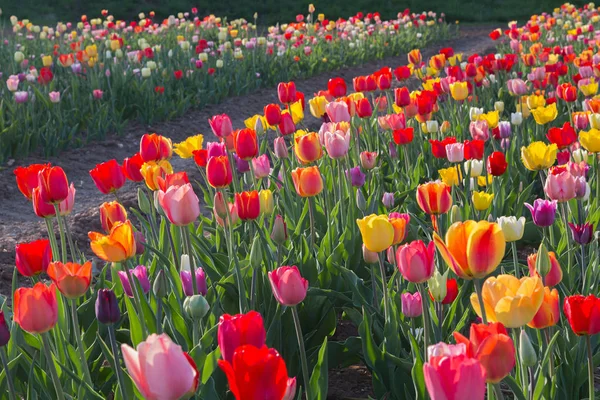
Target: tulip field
(431,223)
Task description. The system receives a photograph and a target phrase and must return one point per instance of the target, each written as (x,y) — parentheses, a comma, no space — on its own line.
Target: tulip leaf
(135,326)
(319,377)
(210,364)
(514,386)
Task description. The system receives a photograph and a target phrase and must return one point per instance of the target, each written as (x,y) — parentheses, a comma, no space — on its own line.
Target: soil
(18,223)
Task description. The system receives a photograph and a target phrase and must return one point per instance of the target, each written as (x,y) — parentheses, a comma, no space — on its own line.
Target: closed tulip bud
(526,350)
(473,167)
(361,202)
(388,200)
(280,148)
(432,126)
(437,285)
(455,214)
(140,241)
(542,262)
(220,207)
(161,285)
(143,201)
(279,232)
(256,253)
(111,213)
(107,307)
(580,155)
(289,287)
(412,305)
(499,106)
(445,127)
(196,307)
(516,118)
(4,331)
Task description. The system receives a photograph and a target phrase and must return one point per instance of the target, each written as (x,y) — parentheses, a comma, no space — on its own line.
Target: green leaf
(319,378)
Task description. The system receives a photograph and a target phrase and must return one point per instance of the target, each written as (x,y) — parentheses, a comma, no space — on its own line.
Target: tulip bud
(388,200)
(196,307)
(361,203)
(280,148)
(4,331)
(369,256)
(526,350)
(219,205)
(160,286)
(445,128)
(107,307)
(256,253)
(437,285)
(455,215)
(542,263)
(143,202)
(279,233)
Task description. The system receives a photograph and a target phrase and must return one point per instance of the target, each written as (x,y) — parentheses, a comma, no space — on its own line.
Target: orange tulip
(307,146)
(307,181)
(549,312)
(72,279)
(472,249)
(153,170)
(111,213)
(35,309)
(117,246)
(434,197)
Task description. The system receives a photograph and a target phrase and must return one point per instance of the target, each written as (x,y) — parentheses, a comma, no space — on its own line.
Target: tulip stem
(115,351)
(176,260)
(61,230)
(51,236)
(590,366)
(11,386)
(70,240)
(583,271)
(515,259)
(426,316)
(136,297)
(386,310)
(479,289)
(498,391)
(312,223)
(52,368)
(305,376)
(185,233)
(80,348)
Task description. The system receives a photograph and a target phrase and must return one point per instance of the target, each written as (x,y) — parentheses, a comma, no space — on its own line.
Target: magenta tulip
(416,261)
(412,304)
(289,287)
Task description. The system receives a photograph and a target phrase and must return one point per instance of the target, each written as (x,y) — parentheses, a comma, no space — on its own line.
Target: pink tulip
(560,186)
(455,152)
(479,130)
(97,93)
(21,97)
(337,111)
(337,144)
(54,97)
(188,285)
(451,375)
(517,87)
(416,261)
(392,122)
(160,369)
(180,203)
(261,166)
(221,125)
(412,304)
(280,148)
(66,206)
(141,274)
(368,159)
(289,287)
(233,214)
(215,149)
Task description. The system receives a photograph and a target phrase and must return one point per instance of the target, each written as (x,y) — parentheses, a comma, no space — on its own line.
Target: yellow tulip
(543,115)
(297,111)
(317,106)
(485,180)
(482,200)
(377,232)
(590,140)
(511,301)
(267,204)
(590,89)
(535,101)
(472,249)
(186,148)
(492,118)
(538,155)
(47,61)
(251,123)
(523,109)
(91,50)
(459,90)
(356,96)
(152,170)
(117,246)
(449,176)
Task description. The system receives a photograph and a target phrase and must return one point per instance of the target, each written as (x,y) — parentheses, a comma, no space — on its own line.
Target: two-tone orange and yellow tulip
(117,246)
(434,197)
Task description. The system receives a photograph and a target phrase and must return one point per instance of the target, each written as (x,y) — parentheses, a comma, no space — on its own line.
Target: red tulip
(178,74)
(245,143)
(451,291)
(337,87)
(238,330)
(45,76)
(200,157)
(583,314)
(402,96)
(363,108)
(218,172)
(35,309)
(154,147)
(492,347)
(402,73)
(41,208)
(258,373)
(272,114)
(567,92)
(403,136)
(27,178)
(384,81)
(474,149)
(108,176)
(562,137)
(496,163)
(286,124)
(286,92)
(132,167)
(33,258)
(289,287)
(53,184)
(360,84)
(248,204)
(438,147)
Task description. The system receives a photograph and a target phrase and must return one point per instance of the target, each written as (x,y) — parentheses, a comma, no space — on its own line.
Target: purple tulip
(21,97)
(543,212)
(357,177)
(141,274)
(186,282)
(393,151)
(582,234)
(504,129)
(388,200)
(241,165)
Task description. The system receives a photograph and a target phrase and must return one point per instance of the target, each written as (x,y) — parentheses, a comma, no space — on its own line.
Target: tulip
(434,197)
(108,176)
(438,148)
(153,170)
(73,280)
(538,155)
(33,258)
(511,301)
(180,204)
(553,276)
(412,306)
(186,148)
(221,125)
(218,172)
(368,160)
(317,106)
(141,275)
(242,166)
(159,356)
(450,374)
(307,146)
(53,184)
(356,176)
(459,90)
(337,143)
(455,152)
(35,309)
(307,181)
(261,166)
(337,111)
(107,307)
(279,233)
(233,214)
(473,167)
(27,178)
(451,291)
(544,115)
(289,287)
(286,124)
(590,140)
(286,92)
(110,214)
(21,97)
(560,185)
(363,108)
(267,204)
(4,331)
(479,129)
(416,262)
(132,167)
(248,205)
(239,330)
(482,200)
(388,200)
(377,232)
(582,233)
(492,347)
(117,246)
(154,147)
(583,314)
(403,136)
(245,143)
(549,312)
(562,137)
(280,148)
(186,282)
(262,366)
(472,249)
(336,87)
(474,149)
(40,207)
(402,96)
(512,228)
(543,212)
